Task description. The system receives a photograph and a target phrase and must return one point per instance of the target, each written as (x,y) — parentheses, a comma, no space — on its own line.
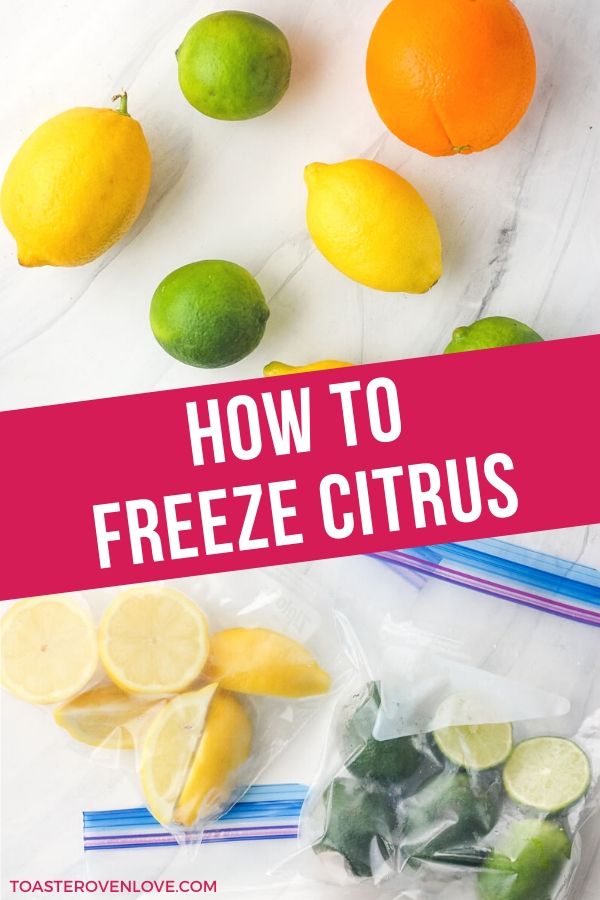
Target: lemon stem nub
(123,104)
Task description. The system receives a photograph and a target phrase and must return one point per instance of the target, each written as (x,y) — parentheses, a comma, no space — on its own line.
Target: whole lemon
(373,226)
(76,186)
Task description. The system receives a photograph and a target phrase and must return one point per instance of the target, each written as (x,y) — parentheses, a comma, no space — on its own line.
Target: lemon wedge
(153,640)
(190,753)
(261,661)
(48,649)
(104,716)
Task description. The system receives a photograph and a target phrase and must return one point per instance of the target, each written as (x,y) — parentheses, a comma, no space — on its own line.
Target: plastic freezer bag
(466,761)
(198,687)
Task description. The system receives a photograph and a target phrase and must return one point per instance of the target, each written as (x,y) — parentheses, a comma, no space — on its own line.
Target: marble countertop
(519,222)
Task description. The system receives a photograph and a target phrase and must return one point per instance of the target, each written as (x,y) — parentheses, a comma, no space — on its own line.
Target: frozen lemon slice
(260,661)
(223,747)
(105,717)
(153,640)
(48,649)
(547,773)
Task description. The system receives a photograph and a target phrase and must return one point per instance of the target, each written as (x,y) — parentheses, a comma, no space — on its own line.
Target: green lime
(451,812)
(527,862)
(473,747)
(495,331)
(209,314)
(387,762)
(360,823)
(547,773)
(234,65)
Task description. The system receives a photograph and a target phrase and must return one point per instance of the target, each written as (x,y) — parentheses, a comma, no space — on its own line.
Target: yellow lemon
(76,186)
(104,716)
(373,226)
(279,368)
(48,649)
(153,640)
(260,661)
(190,754)
(224,746)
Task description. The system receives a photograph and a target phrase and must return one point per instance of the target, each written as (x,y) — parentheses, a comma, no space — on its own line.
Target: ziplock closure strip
(510,566)
(266,812)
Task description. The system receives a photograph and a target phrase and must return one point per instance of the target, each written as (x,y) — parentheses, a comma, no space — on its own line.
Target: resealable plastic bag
(466,762)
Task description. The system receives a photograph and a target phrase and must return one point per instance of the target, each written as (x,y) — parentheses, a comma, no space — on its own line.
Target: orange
(451,76)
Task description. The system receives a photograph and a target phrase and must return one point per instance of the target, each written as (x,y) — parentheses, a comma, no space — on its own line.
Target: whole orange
(451,76)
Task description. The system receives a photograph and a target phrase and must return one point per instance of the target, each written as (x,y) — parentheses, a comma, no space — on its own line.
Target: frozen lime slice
(475,747)
(547,773)
(471,745)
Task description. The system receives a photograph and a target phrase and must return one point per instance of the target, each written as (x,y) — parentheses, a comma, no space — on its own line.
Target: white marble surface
(519,222)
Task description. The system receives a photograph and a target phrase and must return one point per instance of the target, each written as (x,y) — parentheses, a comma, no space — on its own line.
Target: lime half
(547,773)
(475,747)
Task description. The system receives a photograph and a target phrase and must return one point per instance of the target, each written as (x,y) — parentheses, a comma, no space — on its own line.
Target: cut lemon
(547,773)
(260,661)
(223,747)
(153,640)
(48,647)
(104,716)
(169,747)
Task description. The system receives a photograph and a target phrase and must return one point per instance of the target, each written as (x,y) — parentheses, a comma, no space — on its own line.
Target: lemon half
(48,648)
(153,640)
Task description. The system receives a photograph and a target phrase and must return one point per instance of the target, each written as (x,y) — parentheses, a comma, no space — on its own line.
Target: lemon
(48,649)
(260,661)
(373,226)
(153,640)
(104,716)
(223,747)
(279,368)
(191,752)
(76,186)
(168,748)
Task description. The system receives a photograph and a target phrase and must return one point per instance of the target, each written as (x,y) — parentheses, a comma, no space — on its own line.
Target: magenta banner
(308,466)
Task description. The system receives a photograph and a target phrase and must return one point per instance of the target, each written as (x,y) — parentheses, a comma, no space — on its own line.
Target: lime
(209,314)
(234,65)
(547,773)
(359,826)
(451,812)
(386,762)
(494,331)
(472,746)
(527,862)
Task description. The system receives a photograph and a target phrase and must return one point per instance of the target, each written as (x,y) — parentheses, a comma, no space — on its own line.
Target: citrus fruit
(223,747)
(209,314)
(373,226)
(451,76)
(76,186)
(452,811)
(526,863)
(104,716)
(472,745)
(234,65)
(279,368)
(386,762)
(493,331)
(547,773)
(359,825)
(169,747)
(153,640)
(261,661)
(190,754)
(48,649)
